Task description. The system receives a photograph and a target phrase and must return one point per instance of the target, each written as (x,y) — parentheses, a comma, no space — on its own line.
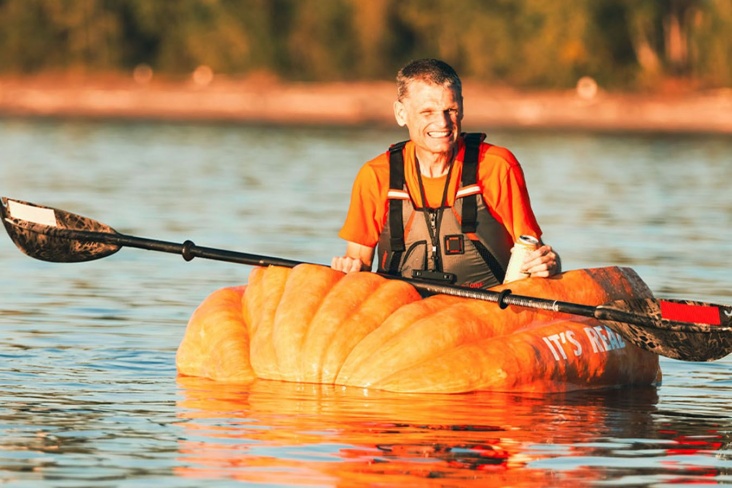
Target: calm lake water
(88,390)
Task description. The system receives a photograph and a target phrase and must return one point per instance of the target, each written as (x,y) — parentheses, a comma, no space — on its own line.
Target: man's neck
(434,165)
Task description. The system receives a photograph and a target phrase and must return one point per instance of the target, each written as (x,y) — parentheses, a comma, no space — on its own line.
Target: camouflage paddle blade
(44,233)
(679,329)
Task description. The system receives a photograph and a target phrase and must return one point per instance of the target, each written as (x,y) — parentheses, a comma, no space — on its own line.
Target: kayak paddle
(679,329)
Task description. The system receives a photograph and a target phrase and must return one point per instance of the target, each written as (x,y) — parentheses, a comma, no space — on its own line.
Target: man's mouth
(439,134)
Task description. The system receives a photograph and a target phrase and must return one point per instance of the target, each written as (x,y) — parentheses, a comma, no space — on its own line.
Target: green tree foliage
(526,43)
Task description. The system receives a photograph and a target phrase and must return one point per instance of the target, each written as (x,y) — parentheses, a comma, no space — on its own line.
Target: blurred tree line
(624,44)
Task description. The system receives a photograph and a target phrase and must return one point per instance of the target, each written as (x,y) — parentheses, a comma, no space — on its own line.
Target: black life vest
(463,244)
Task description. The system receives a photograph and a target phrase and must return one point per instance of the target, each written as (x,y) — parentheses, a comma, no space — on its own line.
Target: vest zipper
(433,216)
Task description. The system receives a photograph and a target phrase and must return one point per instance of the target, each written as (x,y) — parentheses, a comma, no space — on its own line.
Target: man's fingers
(542,262)
(346,264)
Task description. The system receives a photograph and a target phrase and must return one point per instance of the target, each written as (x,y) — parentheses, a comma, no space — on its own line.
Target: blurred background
(571,64)
(627,44)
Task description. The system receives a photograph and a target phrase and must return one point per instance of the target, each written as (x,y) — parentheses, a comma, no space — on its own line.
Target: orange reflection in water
(308,434)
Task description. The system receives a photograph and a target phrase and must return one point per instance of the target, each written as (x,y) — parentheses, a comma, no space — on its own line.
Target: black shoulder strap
(470,177)
(396,182)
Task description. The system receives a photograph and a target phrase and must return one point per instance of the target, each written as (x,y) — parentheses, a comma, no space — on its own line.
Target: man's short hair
(428,70)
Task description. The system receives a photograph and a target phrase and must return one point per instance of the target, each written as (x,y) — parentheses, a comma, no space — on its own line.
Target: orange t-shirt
(499,175)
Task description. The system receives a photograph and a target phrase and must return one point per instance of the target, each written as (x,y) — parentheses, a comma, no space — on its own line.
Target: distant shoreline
(358,104)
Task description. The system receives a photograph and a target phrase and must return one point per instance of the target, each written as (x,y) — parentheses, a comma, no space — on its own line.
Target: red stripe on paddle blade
(684,312)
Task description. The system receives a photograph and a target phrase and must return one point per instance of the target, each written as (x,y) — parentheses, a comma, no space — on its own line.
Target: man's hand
(357,258)
(543,262)
(346,264)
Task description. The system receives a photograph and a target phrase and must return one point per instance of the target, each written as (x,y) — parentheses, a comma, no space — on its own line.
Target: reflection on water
(299,434)
(88,390)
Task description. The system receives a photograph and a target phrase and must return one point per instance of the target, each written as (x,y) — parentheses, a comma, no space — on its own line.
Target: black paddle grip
(187,250)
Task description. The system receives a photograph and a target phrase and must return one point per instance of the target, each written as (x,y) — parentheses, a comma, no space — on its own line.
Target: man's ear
(400,113)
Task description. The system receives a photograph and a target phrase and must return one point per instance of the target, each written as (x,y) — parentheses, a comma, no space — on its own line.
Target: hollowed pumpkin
(313,324)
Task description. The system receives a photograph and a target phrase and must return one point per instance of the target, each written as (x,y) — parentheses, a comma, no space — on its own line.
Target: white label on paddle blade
(37,215)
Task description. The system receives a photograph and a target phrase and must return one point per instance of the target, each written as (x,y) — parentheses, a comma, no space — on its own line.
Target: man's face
(433,114)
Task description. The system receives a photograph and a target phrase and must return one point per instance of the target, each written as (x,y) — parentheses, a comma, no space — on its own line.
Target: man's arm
(358,258)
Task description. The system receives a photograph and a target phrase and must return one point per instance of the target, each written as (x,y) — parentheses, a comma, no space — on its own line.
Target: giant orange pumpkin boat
(312,324)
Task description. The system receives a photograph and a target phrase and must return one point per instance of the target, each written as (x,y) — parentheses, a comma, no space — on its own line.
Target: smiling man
(443,206)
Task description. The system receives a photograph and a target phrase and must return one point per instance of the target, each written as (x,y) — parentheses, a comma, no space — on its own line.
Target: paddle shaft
(187,249)
(504,298)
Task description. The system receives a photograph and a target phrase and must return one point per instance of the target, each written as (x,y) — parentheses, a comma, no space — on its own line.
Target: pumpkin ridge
(444,329)
(252,300)
(208,335)
(338,305)
(269,285)
(305,290)
(388,297)
(361,356)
